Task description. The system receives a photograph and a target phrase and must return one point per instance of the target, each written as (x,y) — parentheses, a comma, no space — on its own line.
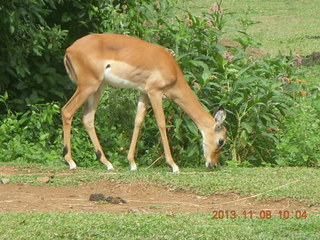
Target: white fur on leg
(110,166)
(133,167)
(175,169)
(72,165)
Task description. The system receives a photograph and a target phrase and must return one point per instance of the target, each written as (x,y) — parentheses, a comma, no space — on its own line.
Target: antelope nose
(221,142)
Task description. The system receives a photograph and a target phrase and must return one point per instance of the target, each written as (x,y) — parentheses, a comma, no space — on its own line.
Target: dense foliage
(34,35)
(262,95)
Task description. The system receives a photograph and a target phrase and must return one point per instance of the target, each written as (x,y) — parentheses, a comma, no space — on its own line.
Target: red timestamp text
(261,214)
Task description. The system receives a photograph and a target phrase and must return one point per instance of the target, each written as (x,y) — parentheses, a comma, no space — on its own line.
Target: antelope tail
(70,69)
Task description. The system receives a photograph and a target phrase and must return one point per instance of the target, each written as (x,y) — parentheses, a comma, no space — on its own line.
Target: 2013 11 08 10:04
(261,214)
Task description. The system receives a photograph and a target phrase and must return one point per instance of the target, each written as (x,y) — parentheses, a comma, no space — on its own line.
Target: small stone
(5,180)
(43,179)
(115,200)
(97,197)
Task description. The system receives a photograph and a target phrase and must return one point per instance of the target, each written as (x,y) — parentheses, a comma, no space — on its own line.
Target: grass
(284,26)
(312,75)
(151,226)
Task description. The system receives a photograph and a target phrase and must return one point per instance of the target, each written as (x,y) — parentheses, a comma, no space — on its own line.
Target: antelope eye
(218,128)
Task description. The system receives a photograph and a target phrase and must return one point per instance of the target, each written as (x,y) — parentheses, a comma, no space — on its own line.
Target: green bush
(299,136)
(31,136)
(30,53)
(35,34)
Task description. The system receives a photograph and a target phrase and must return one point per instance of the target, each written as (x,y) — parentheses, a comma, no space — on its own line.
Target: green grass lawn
(284,26)
(151,226)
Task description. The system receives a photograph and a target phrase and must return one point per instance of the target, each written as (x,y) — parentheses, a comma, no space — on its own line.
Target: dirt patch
(140,197)
(14,170)
(312,59)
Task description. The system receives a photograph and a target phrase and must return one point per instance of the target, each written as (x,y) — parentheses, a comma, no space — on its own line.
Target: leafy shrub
(30,53)
(31,136)
(299,136)
(34,35)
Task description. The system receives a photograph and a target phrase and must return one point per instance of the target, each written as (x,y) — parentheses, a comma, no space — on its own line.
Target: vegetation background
(245,56)
(272,100)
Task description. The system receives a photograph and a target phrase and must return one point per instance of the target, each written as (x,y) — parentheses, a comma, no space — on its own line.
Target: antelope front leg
(156,102)
(140,115)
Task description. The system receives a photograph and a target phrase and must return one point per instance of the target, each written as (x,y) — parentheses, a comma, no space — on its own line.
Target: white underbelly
(116,81)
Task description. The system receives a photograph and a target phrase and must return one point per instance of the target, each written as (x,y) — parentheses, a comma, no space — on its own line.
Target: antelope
(97,60)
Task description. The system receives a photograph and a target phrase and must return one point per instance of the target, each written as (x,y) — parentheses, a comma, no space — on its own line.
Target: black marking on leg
(98,154)
(65,150)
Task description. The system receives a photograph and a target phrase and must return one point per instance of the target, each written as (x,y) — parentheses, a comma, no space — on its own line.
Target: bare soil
(140,197)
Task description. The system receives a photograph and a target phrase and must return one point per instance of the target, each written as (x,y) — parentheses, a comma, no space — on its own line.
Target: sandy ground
(140,196)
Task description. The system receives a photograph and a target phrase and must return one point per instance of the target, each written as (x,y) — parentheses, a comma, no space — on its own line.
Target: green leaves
(255,99)
(29,42)
(32,136)
(299,138)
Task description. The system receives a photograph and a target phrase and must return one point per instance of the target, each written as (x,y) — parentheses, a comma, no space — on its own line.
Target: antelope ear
(220,115)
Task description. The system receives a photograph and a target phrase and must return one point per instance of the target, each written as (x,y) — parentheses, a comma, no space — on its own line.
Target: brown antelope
(121,61)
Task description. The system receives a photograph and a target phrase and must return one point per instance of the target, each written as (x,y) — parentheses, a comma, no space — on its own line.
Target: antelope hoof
(110,167)
(175,169)
(72,165)
(210,165)
(133,167)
